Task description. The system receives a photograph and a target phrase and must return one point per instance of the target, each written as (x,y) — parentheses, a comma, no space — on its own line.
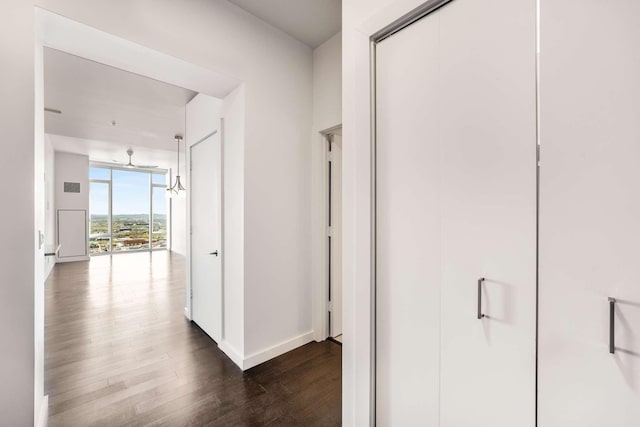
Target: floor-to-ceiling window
(128,210)
(158,211)
(100,209)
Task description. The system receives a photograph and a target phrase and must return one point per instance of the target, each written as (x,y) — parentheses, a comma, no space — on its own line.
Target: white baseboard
(262,356)
(232,353)
(43,417)
(73,259)
(187,313)
(269,353)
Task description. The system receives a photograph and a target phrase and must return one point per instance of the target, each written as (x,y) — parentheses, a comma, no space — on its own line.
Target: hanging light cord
(178,174)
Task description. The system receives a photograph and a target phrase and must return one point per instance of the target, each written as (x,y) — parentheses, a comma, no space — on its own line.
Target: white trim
(187,313)
(43,417)
(187,181)
(274,351)
(319,224)
(232,353)
(319,249)
(223,252)
(265,355)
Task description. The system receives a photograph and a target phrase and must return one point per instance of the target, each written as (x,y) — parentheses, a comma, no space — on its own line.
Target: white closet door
(408,228)
(589,213)
(488,151)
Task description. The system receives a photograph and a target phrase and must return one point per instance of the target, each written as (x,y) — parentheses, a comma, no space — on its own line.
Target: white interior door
(206,265)
(488,153)
(408,227)
(589,213)
(336,236)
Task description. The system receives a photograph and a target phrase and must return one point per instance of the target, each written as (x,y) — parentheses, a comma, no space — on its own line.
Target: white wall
(327,113)
(277,74)
(70,167)
(50,204)
(202,117)
(40,405)
(361,18)
(233,135)
(17,260)
(327,84)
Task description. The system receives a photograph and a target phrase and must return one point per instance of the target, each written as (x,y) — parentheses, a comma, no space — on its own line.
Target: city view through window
(128,210)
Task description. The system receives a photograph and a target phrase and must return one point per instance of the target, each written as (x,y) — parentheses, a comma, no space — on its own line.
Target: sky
(130,193)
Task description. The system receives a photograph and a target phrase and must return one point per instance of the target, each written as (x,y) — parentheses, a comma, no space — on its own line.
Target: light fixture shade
(177,190)
(180,195)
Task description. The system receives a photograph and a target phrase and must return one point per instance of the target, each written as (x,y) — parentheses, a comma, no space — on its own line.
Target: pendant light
(177,189)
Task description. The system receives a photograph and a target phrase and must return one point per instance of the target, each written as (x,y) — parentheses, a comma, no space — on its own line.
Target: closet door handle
(480,315)
(612,325)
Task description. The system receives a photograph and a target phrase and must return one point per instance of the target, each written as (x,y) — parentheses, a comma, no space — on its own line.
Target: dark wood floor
(119,352)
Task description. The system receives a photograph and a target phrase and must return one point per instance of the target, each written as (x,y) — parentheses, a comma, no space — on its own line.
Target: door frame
(332,200)
(66,35)
(320,244)
(189,299)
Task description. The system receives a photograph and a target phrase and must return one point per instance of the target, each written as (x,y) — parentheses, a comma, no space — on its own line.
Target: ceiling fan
(131,165)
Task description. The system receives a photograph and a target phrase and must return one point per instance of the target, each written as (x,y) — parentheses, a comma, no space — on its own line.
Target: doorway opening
(110,157)
(333,140)
(117,106)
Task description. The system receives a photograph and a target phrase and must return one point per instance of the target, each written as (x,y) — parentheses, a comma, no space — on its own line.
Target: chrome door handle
(480,315)
(612,327)
(214,253)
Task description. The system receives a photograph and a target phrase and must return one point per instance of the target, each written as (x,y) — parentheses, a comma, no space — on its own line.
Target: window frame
(152,185)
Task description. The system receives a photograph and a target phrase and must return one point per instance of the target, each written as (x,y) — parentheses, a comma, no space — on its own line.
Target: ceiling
(311,21)
(109,152)
(147,113)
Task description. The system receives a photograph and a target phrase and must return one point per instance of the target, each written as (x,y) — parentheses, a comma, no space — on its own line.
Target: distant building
(139,241)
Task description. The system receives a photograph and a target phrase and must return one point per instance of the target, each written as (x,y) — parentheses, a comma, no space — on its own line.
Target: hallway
(119,351)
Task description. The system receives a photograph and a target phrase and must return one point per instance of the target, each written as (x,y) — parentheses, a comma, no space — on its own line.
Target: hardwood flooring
(119,352)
